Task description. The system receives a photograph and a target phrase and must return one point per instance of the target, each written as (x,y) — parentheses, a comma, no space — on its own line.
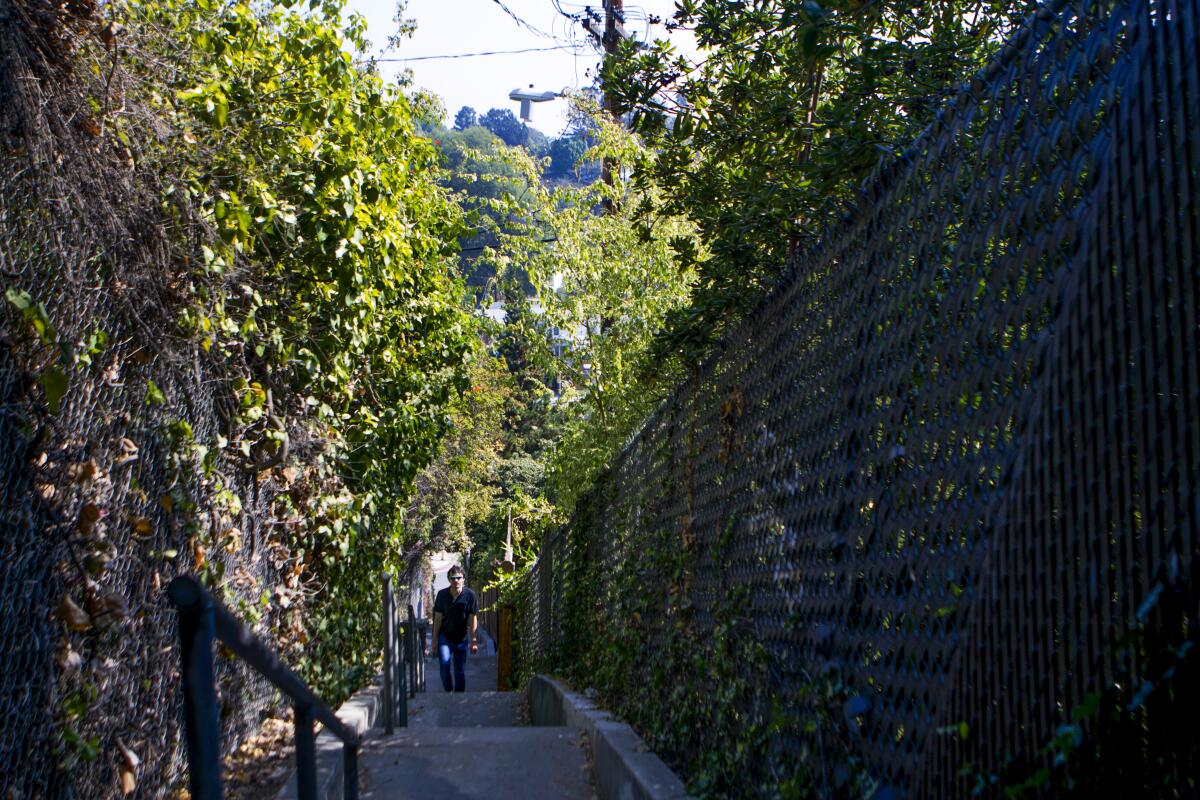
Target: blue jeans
(447,650)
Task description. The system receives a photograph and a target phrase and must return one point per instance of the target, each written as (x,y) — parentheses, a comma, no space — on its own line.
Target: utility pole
(609,38)
(614,32)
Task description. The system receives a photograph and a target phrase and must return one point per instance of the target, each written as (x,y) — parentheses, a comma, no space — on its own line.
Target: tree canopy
(762,141)
(331,264)
(504,124)
(465,118)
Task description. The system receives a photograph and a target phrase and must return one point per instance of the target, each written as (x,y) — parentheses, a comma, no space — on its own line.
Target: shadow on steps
(474,744)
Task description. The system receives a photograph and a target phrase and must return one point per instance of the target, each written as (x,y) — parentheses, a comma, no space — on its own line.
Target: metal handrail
(202,619)
(423,629)
(403,659)
(422,643)
(410,639)
(395,676)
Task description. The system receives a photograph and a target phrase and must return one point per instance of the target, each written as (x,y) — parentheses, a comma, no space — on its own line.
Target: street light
(528,97)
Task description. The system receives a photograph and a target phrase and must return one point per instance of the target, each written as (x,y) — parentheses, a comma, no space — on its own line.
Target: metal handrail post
(402,671)
(197,629)
(350,772)
(306,753)
(411,641)
(202,619)
(424,644)
(389,699)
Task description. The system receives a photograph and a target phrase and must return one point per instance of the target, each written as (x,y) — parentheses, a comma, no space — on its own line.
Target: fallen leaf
(129,452)
(167,502)
(116,605)
(96,562)
(68,660)
(108,34)
(112,375)
(47,491)
(128,780)
(83,470)
(233,541)
(197,553)
(128,756)
(74,616)
(142,526)
(89,515)
(108,607)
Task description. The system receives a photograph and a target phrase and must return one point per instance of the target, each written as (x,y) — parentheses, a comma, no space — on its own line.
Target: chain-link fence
(939,494)
(104,404)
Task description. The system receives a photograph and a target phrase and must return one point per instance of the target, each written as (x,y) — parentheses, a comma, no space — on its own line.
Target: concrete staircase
(474,745)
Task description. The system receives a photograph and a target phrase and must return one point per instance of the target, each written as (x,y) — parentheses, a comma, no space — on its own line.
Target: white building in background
(496,313)
(562,341)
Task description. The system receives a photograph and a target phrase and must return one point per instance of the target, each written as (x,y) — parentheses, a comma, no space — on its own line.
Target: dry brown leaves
(261,766)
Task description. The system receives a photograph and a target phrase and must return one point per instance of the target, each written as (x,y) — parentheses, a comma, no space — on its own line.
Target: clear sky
(450,27)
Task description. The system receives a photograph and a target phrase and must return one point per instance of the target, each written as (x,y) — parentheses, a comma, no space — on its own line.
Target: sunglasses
(456,577)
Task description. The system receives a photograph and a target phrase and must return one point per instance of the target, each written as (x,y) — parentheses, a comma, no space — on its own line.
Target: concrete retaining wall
(360,712)
(625,768)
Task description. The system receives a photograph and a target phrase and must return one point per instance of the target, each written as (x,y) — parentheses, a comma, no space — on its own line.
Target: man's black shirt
(455,613)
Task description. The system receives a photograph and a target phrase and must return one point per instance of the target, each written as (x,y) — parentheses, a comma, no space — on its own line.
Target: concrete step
(503,763)
(439,709)
(480,671)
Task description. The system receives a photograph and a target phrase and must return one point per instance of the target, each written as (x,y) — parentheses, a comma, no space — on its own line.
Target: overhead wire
(572,24)
(571,42)
(482,53)
(521,22)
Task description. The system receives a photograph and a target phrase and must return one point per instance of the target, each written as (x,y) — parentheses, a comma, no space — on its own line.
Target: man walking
(454,614)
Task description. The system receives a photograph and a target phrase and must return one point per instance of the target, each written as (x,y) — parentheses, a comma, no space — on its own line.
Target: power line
(572,27)
(527,26)
(485,53)
(522,23)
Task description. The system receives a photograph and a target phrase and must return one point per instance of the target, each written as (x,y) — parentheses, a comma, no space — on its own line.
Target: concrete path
(474,744)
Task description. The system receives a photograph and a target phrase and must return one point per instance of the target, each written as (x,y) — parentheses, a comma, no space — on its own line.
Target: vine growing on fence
(328,271)
(233,338)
